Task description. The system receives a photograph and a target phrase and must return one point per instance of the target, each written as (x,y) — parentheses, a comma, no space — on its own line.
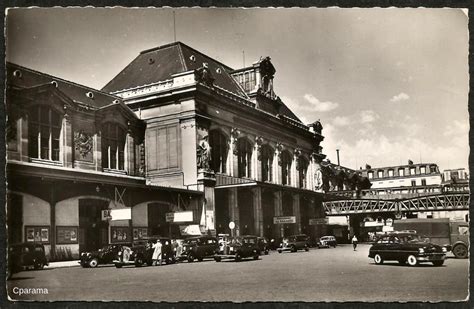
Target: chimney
(338,163)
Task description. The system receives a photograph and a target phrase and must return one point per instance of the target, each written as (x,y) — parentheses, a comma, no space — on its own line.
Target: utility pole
(174,25)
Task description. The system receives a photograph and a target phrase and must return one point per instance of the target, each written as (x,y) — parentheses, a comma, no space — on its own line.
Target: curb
(65,264)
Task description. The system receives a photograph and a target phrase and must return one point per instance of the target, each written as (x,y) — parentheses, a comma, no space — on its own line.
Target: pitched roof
(28,78)
(160,63)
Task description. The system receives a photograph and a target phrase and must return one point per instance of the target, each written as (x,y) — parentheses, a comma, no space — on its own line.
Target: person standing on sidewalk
(157,258)
(354,242)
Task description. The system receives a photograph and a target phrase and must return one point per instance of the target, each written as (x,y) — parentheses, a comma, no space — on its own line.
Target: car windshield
(191,241)
(250,240)
(412,238)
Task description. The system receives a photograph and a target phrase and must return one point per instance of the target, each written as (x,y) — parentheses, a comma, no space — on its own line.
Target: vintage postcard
(230,154)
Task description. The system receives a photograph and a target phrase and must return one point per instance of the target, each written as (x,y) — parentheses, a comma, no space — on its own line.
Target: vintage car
(105,255)
(294,243)
(141,253)
(263,245)
(406,248)
(25,256)
(198,247)
(327,241)
(238,248)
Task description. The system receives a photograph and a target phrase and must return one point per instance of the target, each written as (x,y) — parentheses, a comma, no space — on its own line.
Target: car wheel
(279,251)
(238,257)
(217,258)
(306,249)
(460,251)
(118,265)
(38,265)
(138,262)
(199,259)
(412,261)
(93,263)
(378,259)
(293,249)
(438,263)
(190,258)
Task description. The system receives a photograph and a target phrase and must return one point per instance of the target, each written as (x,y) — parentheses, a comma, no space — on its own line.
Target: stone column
(234,210)
(23,141)
(67,142)
(230,158)
(278,212)
(233,152)
(130,155)
(97,152)
(297,213)
(258,214)
(277,164)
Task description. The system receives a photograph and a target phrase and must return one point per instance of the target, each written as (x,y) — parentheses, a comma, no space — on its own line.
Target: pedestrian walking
(354,242)
(157,258)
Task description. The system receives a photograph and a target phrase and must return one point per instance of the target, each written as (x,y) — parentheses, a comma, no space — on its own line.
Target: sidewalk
(62,264)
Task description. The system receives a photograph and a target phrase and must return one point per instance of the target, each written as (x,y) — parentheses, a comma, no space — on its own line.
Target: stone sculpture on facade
(203,75)
(203,153)
(83,143)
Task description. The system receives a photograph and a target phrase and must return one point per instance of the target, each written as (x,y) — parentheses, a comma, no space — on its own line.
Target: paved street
(338,274)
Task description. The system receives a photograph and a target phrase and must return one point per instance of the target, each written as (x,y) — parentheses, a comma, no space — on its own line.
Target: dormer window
(44,129)
(380,174)
(370,175)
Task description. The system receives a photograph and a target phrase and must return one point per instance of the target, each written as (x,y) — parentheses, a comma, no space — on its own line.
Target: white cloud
(318,106)
(402,96)
(368,116)
(341,121)
(457,128)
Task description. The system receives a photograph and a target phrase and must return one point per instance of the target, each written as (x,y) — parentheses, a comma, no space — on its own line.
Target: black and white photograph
(237,154)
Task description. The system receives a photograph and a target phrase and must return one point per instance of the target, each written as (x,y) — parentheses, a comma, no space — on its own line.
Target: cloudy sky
(388,84)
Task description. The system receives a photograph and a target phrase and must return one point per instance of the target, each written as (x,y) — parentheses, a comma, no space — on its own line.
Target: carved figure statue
(203,75)
(203,153)
(318,180)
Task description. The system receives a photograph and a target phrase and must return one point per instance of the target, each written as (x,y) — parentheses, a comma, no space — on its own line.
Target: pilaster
(258,213)
(297,213)
(234,210)
(278,212)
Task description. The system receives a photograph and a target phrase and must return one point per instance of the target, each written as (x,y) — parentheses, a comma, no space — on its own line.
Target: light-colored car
(327,241)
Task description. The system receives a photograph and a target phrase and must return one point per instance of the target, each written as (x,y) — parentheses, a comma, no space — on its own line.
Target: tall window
(423,182)
(401,172)
(371,175)
(266,154)
(380,174)
(44,129)
(390,173)
(413,183)
(423,170)
(302,170)
(113,144)
(412,171)
(244,157)
(285,168)
(219,149)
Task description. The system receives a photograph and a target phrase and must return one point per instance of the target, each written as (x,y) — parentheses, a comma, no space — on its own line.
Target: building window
(413,183)
(423,170)
(423,182)
(390,173)
(244,158)
(113,145)
(266,153)
(44,130)
(219,150)
(286,168)
(302,170)
(401,172)
(380,174)
(433,169)
(370,175)
(412,171)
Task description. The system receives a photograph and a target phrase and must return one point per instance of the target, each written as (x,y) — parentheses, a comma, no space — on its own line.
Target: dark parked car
(25,256)
(238,248)
(294,243)
(327,241)
(141,253)
(198,247)
(263,245)
(105,255)
(406,248)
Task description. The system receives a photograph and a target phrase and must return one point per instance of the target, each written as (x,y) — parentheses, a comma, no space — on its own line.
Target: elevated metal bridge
(435,202)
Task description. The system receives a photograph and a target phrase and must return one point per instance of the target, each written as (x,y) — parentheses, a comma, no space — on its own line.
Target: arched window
(219,150)
(44,130)
(113,145)
(244,157)
(286,168)
(302,171)
(266,157)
